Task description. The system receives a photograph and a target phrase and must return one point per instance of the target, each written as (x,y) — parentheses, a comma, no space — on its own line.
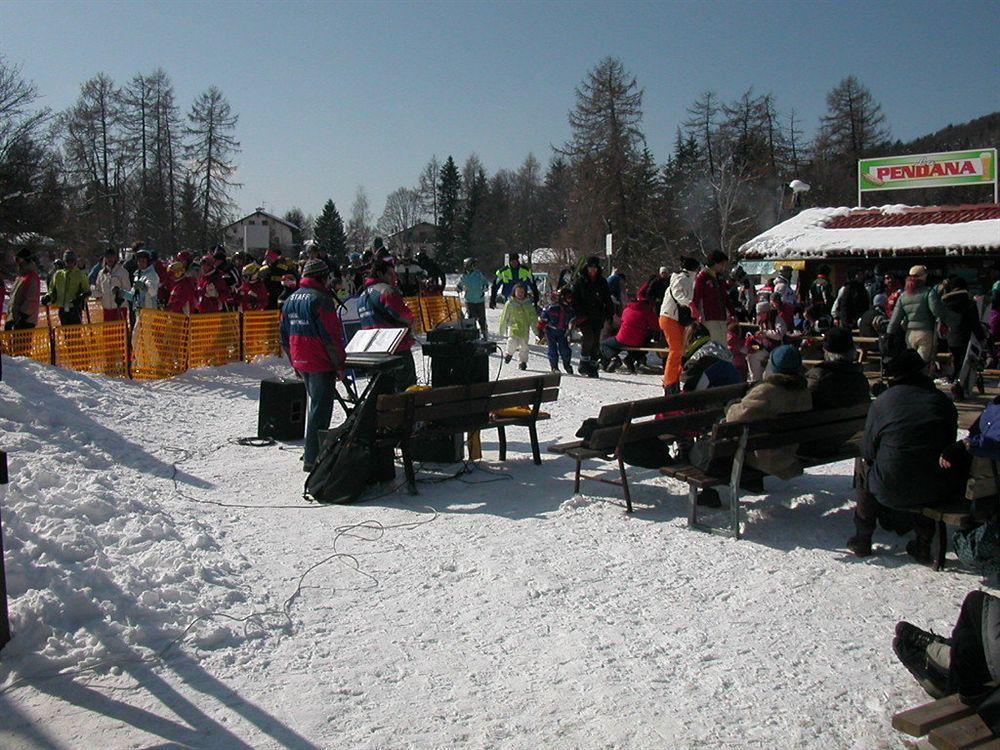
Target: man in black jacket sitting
(908,427)
(836,382)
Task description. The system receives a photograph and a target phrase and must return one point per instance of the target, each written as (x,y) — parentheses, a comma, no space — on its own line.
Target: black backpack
(350,460)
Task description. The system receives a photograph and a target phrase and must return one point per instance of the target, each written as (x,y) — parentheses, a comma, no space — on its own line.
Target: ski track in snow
(519,617)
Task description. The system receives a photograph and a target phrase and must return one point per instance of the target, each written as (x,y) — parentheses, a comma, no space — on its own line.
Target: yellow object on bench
(517,412)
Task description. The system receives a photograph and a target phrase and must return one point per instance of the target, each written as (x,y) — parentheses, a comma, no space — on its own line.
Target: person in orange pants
(675,314)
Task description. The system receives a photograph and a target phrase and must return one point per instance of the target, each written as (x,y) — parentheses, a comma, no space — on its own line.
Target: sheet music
(376,341)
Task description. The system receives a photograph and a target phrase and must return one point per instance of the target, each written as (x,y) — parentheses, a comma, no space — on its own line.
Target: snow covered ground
(196,601)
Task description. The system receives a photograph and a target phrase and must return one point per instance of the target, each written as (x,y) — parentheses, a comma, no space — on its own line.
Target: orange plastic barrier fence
(98,347)
(159,345)
(48,316)
(33,343)
(261,333)
(213,339)
(95,310)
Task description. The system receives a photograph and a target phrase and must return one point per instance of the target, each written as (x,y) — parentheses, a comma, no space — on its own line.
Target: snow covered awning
(882,231)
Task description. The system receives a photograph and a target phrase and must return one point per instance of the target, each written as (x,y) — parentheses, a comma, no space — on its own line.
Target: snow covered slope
(197,601)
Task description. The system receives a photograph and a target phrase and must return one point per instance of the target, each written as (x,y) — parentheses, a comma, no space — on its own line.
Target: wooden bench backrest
(789,429)
(701,408)
(400,409)
(616,414)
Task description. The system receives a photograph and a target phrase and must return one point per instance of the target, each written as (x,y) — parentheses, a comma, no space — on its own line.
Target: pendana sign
(978,166)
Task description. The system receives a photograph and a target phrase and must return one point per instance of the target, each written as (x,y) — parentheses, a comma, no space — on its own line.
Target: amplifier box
(454,332)
(282,410)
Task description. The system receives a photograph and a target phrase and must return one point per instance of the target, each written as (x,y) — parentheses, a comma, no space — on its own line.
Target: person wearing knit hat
(917,312)
(315,269)
(836,382)
(907,429)
(782,391)
(594,308)
(312,337)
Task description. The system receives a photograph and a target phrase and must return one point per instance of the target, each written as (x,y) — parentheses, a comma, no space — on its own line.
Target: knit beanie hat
(838,341)
(315,268)
(785,360)
(881,300)
(905,364)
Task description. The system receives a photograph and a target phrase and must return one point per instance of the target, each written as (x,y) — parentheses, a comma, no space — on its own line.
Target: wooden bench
(465,409)
(620,424)
(981,502)
(948,724)
(737,441)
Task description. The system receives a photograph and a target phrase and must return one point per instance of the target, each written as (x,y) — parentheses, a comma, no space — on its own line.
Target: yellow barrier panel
(418,317)
(33,343)
(98,347)
(213,339)
(454,307)
(437,310)
(261,333)
(48,316)
(159,345)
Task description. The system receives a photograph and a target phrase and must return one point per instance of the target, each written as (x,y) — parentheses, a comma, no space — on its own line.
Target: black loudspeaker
(282,410)
(437,449)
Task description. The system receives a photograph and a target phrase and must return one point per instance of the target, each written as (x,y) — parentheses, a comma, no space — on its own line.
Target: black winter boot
(860,545)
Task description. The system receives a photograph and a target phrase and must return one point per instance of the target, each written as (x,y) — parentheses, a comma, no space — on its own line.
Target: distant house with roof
(947,239)
(422,237)
(256,232)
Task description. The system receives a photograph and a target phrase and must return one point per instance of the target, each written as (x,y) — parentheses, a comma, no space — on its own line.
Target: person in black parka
(908,427)
(594,307)
(836,382)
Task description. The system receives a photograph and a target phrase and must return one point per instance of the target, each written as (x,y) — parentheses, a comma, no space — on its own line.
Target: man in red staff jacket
(313,339)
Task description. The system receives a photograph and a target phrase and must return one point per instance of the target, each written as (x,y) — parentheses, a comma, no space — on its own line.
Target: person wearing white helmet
(472,286)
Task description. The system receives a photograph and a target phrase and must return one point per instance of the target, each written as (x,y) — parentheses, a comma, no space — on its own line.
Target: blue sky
(332,95)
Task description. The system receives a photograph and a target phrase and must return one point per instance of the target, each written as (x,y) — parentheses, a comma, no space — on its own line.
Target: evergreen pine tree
(448,214)
(296,217)
(328,231)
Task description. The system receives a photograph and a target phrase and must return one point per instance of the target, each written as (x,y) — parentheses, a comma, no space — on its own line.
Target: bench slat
(608,437)
(447,394)
(389,419)
(918,721)
(965,733)
(612,414)
(817,432)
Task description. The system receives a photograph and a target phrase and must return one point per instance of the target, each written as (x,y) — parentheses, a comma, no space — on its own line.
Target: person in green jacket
(917,311)
(518,320)
(69,291)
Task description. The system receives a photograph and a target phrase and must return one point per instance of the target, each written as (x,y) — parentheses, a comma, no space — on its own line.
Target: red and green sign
(978,166)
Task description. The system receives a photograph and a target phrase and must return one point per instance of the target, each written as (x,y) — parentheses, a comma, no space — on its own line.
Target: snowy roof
(885,230)
(262,212)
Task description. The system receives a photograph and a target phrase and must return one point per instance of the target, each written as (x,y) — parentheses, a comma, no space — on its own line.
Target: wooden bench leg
(625,488)
(535,453)
(576,483)
(411,476)
(502,435)
(693,510)
(942,545)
